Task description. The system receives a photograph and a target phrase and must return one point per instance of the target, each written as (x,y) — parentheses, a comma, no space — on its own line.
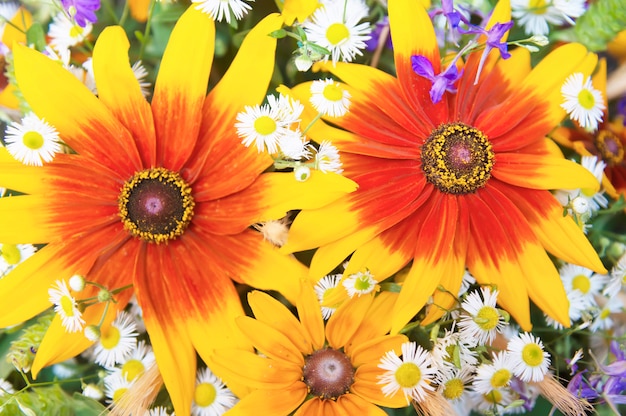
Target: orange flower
(159,195)
(461,183)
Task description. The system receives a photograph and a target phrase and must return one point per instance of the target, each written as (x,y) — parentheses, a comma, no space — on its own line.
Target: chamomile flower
(452,350)
(335,26)
(293,145)
(360,283)
(66,307)
(289,109)
(211,397)
(13,254)
(32,141)
(603,317)
(115,385)
(582,101)
(327,158)
(579,307)
(585,281)
(492,402)
(158,411)
(413,373)
(528,359)
(137,362)
(537,16)
(65,33)
(496,375)
(322,287)
(117,341)
(617,279)
(453,383)
(329,98)
(481,320)
(6,387)
(223,9)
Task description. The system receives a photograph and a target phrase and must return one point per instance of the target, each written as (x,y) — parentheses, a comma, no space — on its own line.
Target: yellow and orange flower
(310,369)
(159,195)
(461,183)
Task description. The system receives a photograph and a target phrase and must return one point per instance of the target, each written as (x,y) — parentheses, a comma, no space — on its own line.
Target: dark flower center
(328,373)
(610,147)
(156,205)
(457,158)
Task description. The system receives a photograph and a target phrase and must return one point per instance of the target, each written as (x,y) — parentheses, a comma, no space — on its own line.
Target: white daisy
(157,411)
(289,109)
(537,16)
(64,33)
(413,373)
(293,145)
(481,320)
(13,254)
(221,9)
(466,283)
(335,26)
(617,278)
(6,387)
(32,141)
(141,73)
(585,281)
(117,340)
(359,283)
(579,307)
(530,362)
(137,361)
(115,385)
(604,315)
(211,397)
(453,351)
(452,383)
(582,101)
(66,307)
(496,375)
(77,283)
(327,158)
(492,402)
(329,98)
(322,287)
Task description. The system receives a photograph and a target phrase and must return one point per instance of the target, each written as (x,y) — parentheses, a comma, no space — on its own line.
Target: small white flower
(583,280)
(211,397)
(536,17)
(92,333)
(117,340)
(141,73)
(93,391)
(33,141)
(6,387)
(115,385)
(617,279)
(221,9)
(140,359)
(329,98)
(13,254)
(530,362)
(496,375)
(158,411)
(322,287)
(64,33)
(413,373)
(481,320)
(452,383)
(327,158)
(466,283)
(66,307)
(293,145)
(335,26)
(359,283)
(77,282)
(582,101)
(496,399)
(603,316)
(453,351)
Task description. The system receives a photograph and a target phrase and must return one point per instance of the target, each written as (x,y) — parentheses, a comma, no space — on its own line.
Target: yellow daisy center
(362,283)
(265,125)
(538,6)
(610,147)
(117,394)
(205,394)
(333,92)
(110,337)
(328,373)
(453,389)
(582,283)
(408,375)
(337,33)
(532,355)
(493,397)
(500,378)
(76,31)
(156,205)
(457,158)
(586,99)
(33,140)
(11,254)
(67,304)
(605,313)
(132,368)
(487,318)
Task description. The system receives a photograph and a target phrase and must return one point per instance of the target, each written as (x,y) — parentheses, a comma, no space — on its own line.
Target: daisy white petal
(65,33)
(115,385)
(211,397)
(322,287)
(481,320)
(529,360)
(32,141)
(137,361)
(117,341)
(13,254)
(66,307)
(496,375)
(359,283)
(221,9)
(582,101)
(329,98)
(327,158)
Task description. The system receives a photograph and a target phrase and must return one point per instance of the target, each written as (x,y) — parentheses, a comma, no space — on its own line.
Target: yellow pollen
(110,337)
(132,368)
(205,394)
(10,253)
(265,125)
(337,33)
(537,6)
(453,389)
(487,318)
(582,283)
(67,304)
(532,355)
(33,140)
(408,375)
(500,378)
(610,147)
(586,99)
(333,92)
(117,394)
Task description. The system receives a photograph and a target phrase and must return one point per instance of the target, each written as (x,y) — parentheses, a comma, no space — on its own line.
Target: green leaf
(279,34)
(35,35)
(600,23)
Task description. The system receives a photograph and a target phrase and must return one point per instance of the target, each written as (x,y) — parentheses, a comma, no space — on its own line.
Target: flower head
(82,11)
(330,98)
(66,306)
(117,340)
(582,101)
(211,397)
(13,254)
(481,320)
(529,361)
(442,82)
(223,9)
(33,141)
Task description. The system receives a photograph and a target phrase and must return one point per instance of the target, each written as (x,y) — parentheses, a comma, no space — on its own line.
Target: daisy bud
(92,333)
(93,391)
(77,283)
(303,62)
(539,40)
(302,173)
(580,205)
(104,295)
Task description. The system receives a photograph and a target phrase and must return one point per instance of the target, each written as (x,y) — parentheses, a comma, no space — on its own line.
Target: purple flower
(494,37)
(372,43)
(83,11)
(442,82)
(452,16)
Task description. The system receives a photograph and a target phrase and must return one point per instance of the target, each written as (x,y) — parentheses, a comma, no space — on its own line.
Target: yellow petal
(346,320)
(375,348)
(274,402)
(297,9)
(310,314)
(270,341)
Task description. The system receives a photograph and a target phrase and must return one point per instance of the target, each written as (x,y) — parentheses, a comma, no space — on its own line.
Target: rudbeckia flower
(463,182)
(159,195)
(309,368)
